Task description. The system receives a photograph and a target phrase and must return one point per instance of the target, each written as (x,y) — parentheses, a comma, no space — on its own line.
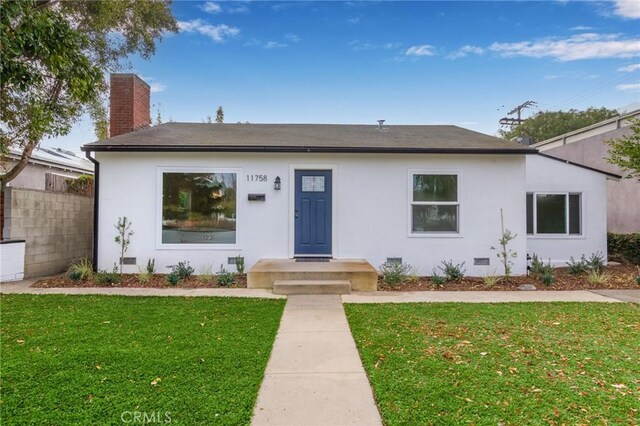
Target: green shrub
(151,266)
(538,268)
(547,278)
(394,273)
(577,267)
(173,278)
(437,279)
(183,270)
(624,247)
(81,270)
(638,277)
(240,265)
(225,278)
(452,271)
(491,280)
(595,262)
(106,277)
(143,275)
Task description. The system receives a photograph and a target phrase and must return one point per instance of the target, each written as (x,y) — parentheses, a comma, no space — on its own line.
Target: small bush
(437,279)
(538,268)
(151,266)
(108,277)
(595,262)
(240,265)
(638,277)
(183,270)
(143,275)
(624,247)
(173,278)
(205,274)
(547,278)
(597,277)
(452,271)
(394,273)
(225,278)
(81,270)
(577,267)
(491,280)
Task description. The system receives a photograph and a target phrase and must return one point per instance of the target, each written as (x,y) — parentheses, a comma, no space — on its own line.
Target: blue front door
(313,213)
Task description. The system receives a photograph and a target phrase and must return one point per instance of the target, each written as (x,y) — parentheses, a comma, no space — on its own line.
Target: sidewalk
(608,296)
(23,287)
(315,376)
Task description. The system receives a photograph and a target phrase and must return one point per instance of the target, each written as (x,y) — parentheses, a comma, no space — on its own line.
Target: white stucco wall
(371,197)
(12,260)
(548,175)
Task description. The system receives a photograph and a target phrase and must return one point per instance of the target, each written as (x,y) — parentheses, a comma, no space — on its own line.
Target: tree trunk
(22,163)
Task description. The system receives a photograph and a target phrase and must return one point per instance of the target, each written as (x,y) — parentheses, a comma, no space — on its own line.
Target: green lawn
(100,359)
(533,363)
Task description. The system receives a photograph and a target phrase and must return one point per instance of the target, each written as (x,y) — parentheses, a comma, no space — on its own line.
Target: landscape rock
(527,287)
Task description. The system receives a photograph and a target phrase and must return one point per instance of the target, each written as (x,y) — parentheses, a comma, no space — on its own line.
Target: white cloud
(465,51)
(217,33)
(294,38)
(357,45)
(273,45)
(630,68)
(420,50)
(237,9)
(211,7)
(582,28)
(577,47)
(353,20)
(631,87)
(629,9)
(157,87)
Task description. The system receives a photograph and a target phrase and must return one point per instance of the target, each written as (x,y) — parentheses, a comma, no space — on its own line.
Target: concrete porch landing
(362,275)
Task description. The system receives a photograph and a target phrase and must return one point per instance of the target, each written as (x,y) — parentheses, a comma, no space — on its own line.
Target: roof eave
(609,175)
(307,149)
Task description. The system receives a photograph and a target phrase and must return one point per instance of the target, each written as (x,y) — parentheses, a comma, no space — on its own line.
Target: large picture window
(554,213)
(435,206)
(199,208)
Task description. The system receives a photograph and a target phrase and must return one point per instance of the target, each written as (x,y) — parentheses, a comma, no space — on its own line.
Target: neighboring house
(46,167)
(587,146)
(43,228)
(207,193)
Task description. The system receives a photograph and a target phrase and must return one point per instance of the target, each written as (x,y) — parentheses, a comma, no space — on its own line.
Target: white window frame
(566,234)
(209,246)
(411,203)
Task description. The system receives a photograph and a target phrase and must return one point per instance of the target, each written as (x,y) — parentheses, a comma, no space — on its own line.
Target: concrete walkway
(24,288)
(315,376)
(612,296)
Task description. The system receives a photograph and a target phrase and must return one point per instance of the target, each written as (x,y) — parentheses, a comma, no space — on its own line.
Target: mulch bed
(131,281)
(621,277)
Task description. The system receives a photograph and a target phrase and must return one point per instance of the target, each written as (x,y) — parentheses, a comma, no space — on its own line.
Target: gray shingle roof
(307,138)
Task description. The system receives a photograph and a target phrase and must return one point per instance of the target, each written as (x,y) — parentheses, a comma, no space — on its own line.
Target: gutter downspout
(96,205)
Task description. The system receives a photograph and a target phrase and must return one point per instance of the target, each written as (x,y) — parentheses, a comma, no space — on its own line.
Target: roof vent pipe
(380,124)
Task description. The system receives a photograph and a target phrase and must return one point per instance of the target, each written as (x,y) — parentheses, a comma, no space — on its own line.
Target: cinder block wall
(58,228)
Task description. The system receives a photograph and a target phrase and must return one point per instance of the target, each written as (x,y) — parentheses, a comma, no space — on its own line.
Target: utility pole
(509,121)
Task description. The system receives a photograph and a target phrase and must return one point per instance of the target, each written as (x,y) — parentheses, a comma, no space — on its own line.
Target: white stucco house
(207,193)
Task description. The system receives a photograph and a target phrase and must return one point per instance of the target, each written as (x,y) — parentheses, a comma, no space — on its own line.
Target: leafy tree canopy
(55,57)
(625,151)
(548,124)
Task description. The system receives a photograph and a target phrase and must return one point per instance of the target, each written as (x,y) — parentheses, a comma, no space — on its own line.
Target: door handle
(297,214)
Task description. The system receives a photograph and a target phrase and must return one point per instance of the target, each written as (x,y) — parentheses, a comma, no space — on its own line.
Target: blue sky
(462,63)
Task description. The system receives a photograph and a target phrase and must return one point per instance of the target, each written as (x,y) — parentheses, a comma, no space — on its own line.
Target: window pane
(435,188)
(551,211)
(574,214)
(435,218)
(199,208)
(529,213)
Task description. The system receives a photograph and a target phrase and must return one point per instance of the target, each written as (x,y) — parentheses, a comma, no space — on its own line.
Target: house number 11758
(256,178)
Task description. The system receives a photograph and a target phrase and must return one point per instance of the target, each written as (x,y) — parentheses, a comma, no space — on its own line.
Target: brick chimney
(129,104)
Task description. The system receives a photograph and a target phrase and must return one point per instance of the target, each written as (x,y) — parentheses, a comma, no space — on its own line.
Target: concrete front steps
(290,287)
(359,272)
